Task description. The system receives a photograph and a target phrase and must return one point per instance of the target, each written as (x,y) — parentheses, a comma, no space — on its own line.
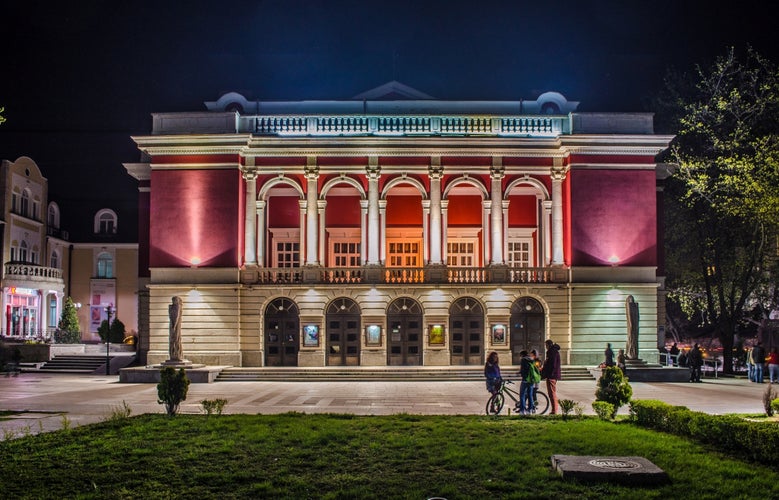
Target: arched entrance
(527,328)
(466,332)
(404,339)
(282,333)
(343,333)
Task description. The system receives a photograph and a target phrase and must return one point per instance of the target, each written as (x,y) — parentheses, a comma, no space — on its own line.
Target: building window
(23,252)
(105,222)
(346,254)
(285,247)
(105,265)
(461,253)
(52,311)
(25,208)
(53,218)
(520,253)
(33,257)
(14,202)
(54,260)
(35,210)
(404,254)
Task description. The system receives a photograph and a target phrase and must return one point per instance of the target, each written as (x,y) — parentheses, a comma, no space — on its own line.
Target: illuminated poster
(437,334)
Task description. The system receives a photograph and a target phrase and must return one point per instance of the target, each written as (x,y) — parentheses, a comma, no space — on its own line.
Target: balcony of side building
(25,275)
(403,275)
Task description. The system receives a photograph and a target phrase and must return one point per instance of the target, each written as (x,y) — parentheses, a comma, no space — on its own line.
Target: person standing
(758,357)
(526,367)
(551,372)
(492,372)
(621,361)
(695,360)
(609,355)
(773,366)
(750,366)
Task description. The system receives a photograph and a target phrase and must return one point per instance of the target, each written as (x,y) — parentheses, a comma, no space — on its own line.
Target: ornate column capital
(373,170)
(249,173)
(496,170)
(435,171)
(559,172)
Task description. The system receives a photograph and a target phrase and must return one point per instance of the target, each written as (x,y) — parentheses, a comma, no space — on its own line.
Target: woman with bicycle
(492,373)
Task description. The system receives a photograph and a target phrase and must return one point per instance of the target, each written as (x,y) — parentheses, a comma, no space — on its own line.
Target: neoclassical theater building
(397,229)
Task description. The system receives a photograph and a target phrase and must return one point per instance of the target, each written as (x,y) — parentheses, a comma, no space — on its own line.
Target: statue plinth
(177,363)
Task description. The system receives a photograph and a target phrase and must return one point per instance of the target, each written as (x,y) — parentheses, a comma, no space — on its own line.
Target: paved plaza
(85,399)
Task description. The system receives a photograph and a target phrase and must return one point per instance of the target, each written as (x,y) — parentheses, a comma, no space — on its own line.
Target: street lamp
(108,341)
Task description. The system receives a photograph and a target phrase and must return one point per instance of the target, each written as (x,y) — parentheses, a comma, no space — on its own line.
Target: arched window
(25,208)
(105,265)
(53,218)
(105,221)
(23,252)
(54,260)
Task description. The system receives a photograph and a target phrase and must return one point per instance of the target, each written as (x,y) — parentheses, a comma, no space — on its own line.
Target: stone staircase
(374,373)
(83,363)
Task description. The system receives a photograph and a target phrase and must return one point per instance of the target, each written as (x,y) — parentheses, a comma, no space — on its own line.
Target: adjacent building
(397,229)
(95,263)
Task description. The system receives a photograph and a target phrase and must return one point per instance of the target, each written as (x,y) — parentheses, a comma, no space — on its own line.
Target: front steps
(80,363)
(374,373)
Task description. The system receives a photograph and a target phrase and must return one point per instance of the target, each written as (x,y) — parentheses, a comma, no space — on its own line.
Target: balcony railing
(402,275)
(26,271)
(394,125)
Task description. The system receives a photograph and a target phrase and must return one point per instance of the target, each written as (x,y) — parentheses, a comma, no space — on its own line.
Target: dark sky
(77,79)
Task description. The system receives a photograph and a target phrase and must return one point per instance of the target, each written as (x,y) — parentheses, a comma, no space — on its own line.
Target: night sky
(79,78)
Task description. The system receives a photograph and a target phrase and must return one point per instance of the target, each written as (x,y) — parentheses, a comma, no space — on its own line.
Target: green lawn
(344,456)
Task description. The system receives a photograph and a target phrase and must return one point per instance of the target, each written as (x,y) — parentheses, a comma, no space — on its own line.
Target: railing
(389,125)
(402,275)
(20,270)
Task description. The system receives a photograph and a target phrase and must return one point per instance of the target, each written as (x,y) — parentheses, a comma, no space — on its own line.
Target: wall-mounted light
(194,261)
(614,260)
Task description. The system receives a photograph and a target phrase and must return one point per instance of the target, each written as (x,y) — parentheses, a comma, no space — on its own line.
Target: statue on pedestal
(175,349)
(631,312)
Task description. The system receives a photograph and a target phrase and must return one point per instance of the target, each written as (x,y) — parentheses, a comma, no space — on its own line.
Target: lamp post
(108,341)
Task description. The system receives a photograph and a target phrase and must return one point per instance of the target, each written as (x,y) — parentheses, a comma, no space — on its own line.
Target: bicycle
(496,401)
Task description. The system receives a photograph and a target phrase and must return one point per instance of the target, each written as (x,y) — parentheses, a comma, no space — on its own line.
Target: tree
(613,388)
(172,389)
(68,328)
(723,205)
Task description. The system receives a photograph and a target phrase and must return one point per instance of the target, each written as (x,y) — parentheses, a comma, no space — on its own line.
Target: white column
(383,231)
(363,235)
(260,208)
(373,172)
(303,257)
(435,173)
(445,224)
(312,209)
(505,208)
(425,237)
(250,218)
(485,231)
(322,204)
(496,212)
(545,227)
(558,175)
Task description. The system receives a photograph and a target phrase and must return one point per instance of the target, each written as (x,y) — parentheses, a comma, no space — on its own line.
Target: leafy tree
(723,205)
(115,332)
(68,329)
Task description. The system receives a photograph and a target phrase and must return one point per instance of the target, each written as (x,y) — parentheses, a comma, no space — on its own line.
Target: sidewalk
(85,399)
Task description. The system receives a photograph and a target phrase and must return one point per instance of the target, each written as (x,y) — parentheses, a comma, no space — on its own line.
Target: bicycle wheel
(495,403)
(542,403)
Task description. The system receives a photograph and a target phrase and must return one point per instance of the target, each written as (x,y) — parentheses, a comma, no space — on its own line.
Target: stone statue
(631,311)
(174,311)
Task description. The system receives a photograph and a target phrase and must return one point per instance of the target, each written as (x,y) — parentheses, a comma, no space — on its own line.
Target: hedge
(733,435)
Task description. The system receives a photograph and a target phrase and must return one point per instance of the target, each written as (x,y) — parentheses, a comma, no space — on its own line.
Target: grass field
(345,456)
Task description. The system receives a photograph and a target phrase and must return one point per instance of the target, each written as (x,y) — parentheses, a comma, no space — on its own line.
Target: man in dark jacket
(551,371)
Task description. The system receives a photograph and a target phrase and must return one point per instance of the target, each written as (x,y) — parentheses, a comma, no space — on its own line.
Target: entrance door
(343,333)
(466,327)
(404,339)
(527,328)
(282,333)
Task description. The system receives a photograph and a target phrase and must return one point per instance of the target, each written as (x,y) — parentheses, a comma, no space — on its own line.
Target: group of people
(758,360)
(609,358)
(532,371)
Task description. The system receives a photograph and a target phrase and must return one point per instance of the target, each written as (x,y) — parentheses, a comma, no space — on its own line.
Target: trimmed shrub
(213,406)
(604,410)
(758,441)
(172,389)
(613,387)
